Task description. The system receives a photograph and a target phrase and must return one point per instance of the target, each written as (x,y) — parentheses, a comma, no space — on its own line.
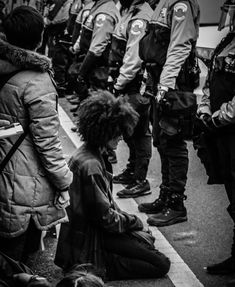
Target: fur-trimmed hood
(13,58)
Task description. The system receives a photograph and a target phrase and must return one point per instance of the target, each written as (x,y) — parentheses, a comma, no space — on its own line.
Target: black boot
(175,212)
(223,268)
(157,205)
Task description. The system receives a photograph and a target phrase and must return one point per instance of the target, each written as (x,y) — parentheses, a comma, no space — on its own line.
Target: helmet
(227,18)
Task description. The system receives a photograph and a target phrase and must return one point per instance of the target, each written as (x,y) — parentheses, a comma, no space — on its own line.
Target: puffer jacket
(37,170)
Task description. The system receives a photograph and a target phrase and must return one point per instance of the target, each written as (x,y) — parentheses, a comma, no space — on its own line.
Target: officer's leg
(127,175)
(141,186)
(227,158)
(159,204)
(142,146)
(177,155)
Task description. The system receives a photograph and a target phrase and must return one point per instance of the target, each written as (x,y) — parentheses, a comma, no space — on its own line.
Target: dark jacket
(92,212)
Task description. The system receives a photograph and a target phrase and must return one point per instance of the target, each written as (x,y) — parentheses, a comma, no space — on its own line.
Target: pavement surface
(204,239)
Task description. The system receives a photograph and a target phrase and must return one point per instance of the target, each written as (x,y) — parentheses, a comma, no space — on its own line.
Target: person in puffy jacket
(99,232)
(35,181)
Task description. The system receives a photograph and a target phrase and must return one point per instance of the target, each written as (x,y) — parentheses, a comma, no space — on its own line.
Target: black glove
(207,121)
(81,88)
(88,64)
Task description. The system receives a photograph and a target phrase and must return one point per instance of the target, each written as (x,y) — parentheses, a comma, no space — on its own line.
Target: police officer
(175,26)
(217,112)
(94,40)
(127,72)
(78,55)
(56,17)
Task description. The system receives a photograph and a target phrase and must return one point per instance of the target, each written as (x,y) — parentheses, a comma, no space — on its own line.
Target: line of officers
(142,50)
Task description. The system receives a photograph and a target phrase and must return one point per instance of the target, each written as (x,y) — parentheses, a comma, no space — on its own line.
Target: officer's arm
(56,9)
(204,106)
(101,37)
(131,61)
(183,32)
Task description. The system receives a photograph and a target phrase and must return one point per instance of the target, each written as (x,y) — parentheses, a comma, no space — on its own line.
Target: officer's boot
(174,212)
(157,205)
(225,267)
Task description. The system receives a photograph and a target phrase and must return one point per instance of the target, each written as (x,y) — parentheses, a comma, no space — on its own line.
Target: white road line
(180,274)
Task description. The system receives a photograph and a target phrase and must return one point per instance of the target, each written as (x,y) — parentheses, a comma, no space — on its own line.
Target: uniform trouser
(140,144)
(129,259)
(174,162)
(226,150)
(61,61)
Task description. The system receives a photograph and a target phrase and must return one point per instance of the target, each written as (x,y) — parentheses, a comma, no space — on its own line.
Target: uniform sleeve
(226,114)
(131,61)
(41,100)
(101,36)
(102,213)
(52,14)
(183,32)
(204,106)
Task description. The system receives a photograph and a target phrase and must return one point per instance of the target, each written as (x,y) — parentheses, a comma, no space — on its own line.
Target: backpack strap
(4,79)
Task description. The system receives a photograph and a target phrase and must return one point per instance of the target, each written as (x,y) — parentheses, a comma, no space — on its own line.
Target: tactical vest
(153,51)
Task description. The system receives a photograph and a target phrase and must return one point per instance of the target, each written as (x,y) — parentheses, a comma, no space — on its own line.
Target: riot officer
(170,59)
(78,55)
(94,41)
(217,112)
(126,71)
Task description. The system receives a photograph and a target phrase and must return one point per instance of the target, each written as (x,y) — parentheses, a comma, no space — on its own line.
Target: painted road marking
(180,274)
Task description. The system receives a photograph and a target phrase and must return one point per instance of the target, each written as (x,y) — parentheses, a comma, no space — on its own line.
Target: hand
(4,123)
(62,200)
(160,95)
(81,88)
(207,121)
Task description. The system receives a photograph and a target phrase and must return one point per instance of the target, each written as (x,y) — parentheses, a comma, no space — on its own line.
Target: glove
(162,90)
(88,64)
(81,88)
(62,200)
(116,92)
(208,122)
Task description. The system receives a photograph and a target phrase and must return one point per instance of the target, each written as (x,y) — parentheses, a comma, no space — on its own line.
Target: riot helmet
(227,18)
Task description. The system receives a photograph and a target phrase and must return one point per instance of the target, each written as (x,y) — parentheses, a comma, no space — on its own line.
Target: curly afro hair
(102,117)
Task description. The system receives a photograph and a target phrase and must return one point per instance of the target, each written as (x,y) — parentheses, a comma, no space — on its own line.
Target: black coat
(92,213)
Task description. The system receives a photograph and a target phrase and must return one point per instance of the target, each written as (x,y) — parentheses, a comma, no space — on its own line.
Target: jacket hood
(13,58)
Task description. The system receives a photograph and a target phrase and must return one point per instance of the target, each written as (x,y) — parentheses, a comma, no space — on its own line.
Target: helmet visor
(227,18)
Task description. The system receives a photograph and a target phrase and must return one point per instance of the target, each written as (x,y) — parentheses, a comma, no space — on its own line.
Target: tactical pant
(140,144)
(174,162)
(226,164)
(61,61)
